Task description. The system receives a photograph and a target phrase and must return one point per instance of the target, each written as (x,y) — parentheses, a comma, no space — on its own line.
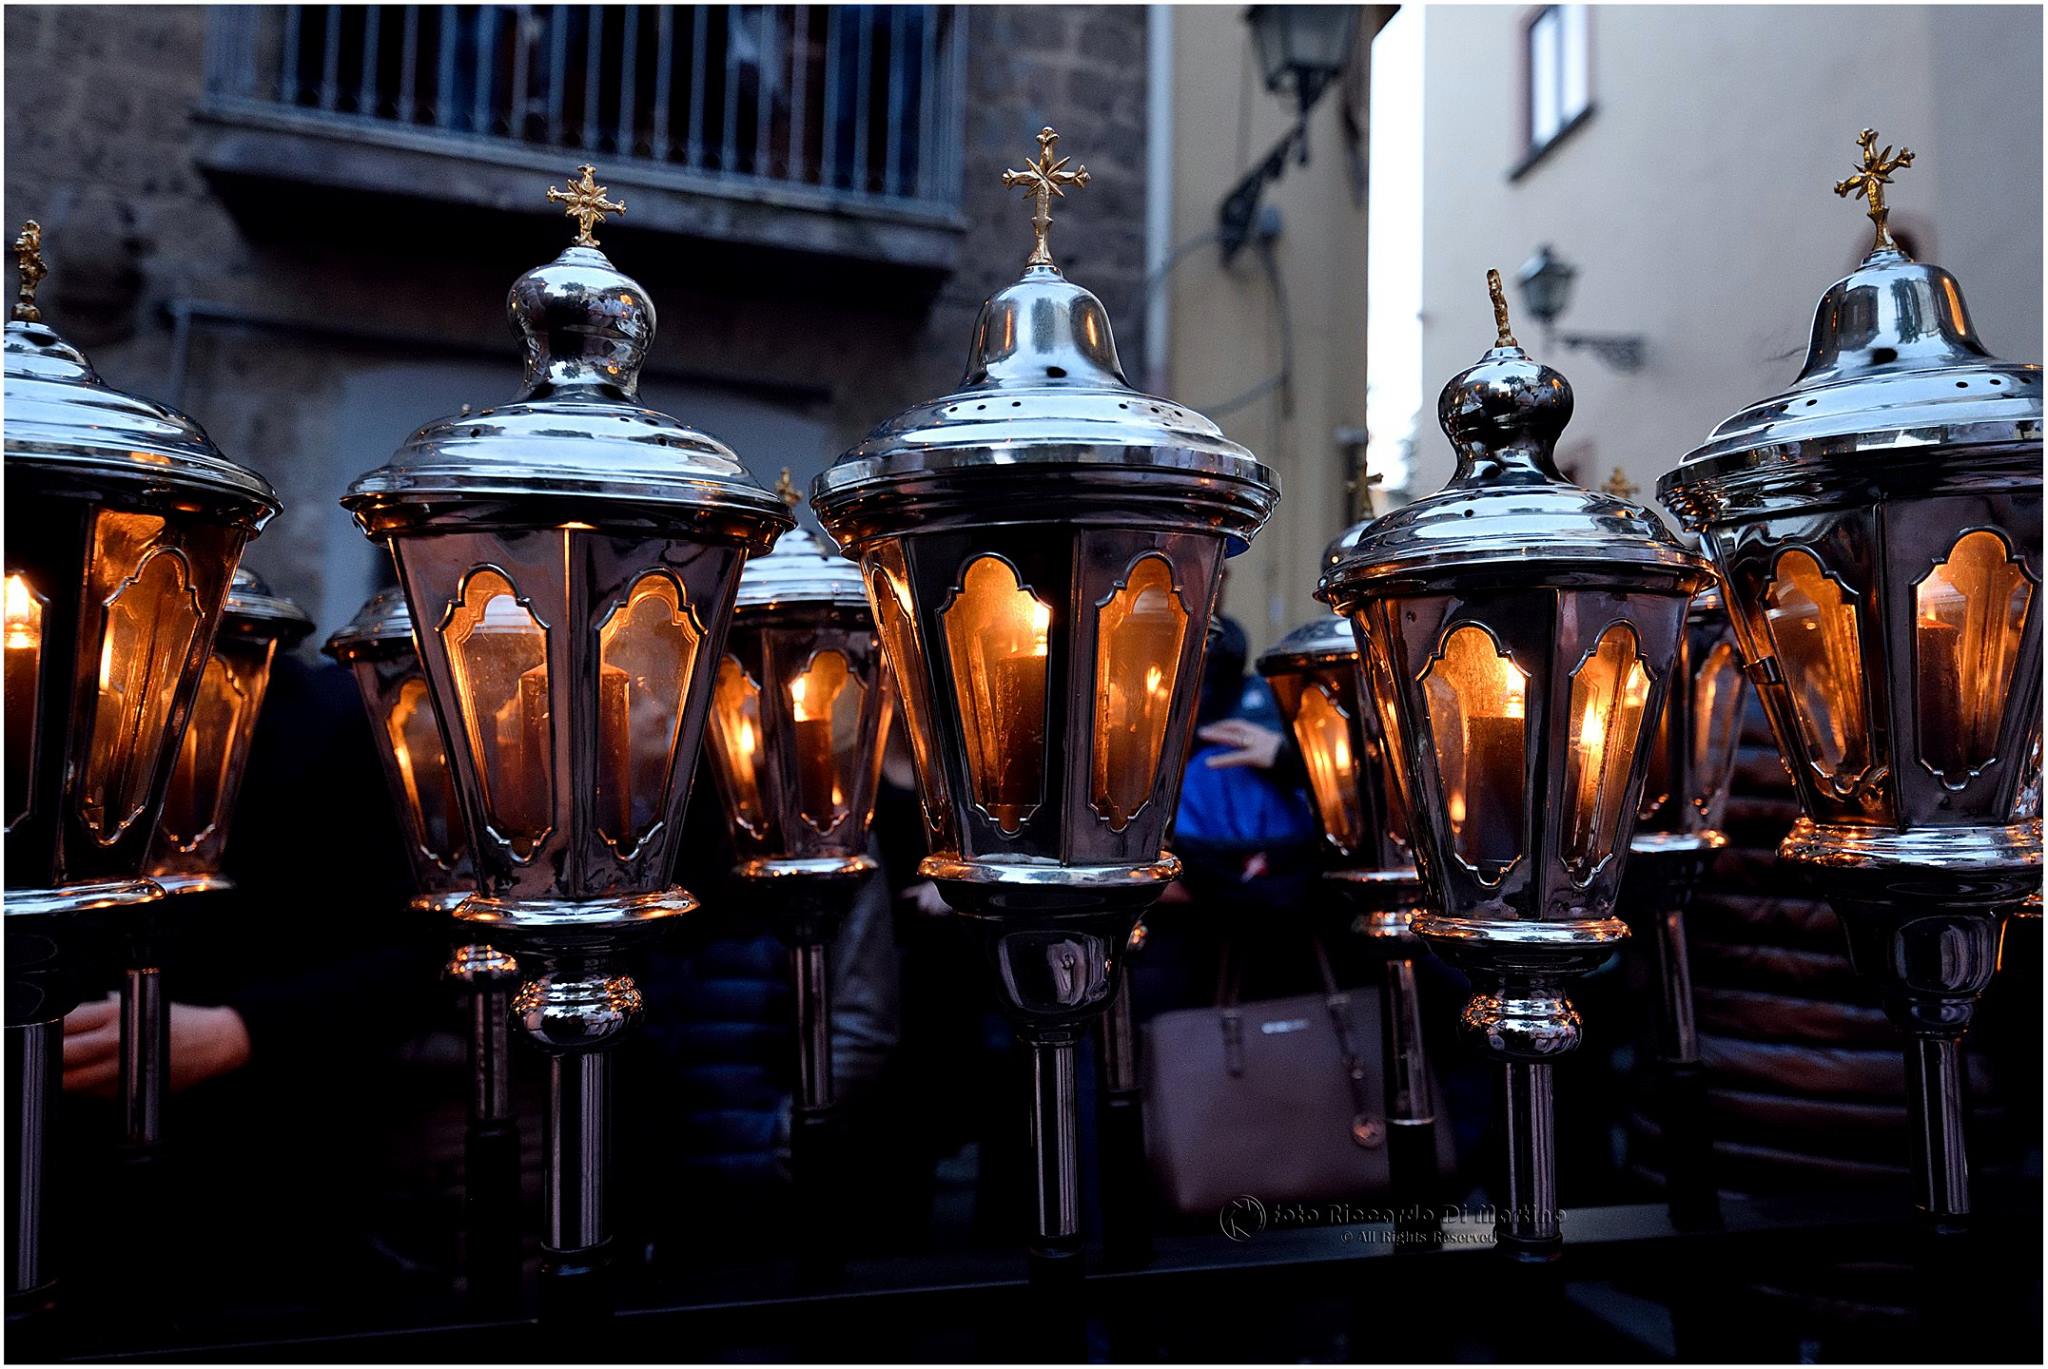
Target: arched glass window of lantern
(25,606)
(998,634)
(1378,679)
(1969,618)
(1477,701)
(1141,629)
(736,750)
(498,653)
(1811,618)
(1328,740)
(889,596)
(422,764)
(1716,725)
(826,700)
(152,622)
(1610,693)
(216,742)
(647,652)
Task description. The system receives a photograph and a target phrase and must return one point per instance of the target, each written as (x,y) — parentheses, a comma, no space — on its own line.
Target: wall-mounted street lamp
(1545,284)
(1302,50)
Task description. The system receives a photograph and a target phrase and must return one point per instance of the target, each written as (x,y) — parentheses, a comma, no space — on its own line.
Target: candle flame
(23,616)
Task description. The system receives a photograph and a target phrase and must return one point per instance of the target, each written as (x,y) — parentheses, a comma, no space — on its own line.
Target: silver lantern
(571,558)
(377,647)
(799,713)
(124,523)
(1878,531)
(1336,717)
(1525,629)
(1043,549)
(192,832)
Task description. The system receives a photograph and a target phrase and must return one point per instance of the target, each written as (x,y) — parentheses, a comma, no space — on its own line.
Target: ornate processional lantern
(799,712)
(124,523)
(571,559)
(377,647)
(1878,531)
(1678,832)
(1338,725)
(1042,549)
(192,833)
(1525,629)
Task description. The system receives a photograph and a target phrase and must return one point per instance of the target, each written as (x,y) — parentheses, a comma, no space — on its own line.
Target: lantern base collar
(980,888)
(79,898)
(561,915)
(1525,948)
(447,902)
(1925,860)
(176,885)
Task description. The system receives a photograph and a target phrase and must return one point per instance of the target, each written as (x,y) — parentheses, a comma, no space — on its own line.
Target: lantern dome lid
(254,610)
(1326,640)
(804,570)
(1894,375)
(74,431)
(382,625)
(1507,508)
(577,439)
(1044,401)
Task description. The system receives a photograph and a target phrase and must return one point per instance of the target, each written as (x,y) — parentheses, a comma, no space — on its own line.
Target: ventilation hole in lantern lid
(1998,382)
(1123,406)
(1016,403)
(1962,385)
(1056,372)
(981,406)
(1811,402)
(476,432)
(1884,356)
(1467,513)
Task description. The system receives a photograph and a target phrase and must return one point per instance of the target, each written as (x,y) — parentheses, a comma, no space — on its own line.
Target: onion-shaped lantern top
(571,558)
(192,834)
(124,524)
(377,647)
(1878,529)
(799,715)
(1042,549)
(1526,629)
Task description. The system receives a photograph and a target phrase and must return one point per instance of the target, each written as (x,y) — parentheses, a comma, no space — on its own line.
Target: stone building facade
(311,312)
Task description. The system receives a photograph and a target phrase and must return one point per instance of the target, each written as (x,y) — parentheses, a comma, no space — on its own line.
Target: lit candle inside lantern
(24,639)
(1495,741)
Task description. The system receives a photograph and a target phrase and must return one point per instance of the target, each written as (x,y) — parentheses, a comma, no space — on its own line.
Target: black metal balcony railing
(851,106)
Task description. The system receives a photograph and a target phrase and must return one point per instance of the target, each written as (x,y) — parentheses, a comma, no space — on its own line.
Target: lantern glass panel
(422,764)
(1717,725)
(1477,700)
(826,702)
(646,648)
(152,621)
(1969,616)
(1141,630)
(736,749)
(889,596)
(1812,624)
(1380,697)
(997,637)
(1323,731)
(498,653)
(1610,689)
(208,769)
(24,675)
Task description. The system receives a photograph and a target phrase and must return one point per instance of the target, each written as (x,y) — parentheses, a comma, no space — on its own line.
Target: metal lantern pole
(798,717)
(377,646)
(572,558)
(1878,532)
(1678,834)
(1525,630)
(192,833)
(1127,1231)
(1337,717)
(124,524)
(1043,549)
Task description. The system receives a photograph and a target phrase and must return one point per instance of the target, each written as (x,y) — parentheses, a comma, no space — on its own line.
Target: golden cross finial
(584,202)
(1500,310)
(1042,180)
(1620,486)
(28,252)
(1870,180)
(786,490)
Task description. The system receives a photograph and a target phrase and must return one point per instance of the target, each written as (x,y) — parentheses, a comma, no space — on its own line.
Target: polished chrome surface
(803,570)
(575,445)
(35,1081)
(82,897)
(1056,1147)
(254,610)
(490,1052)
(570,1011)
(145,1066)
(1408,1091)
(576,1157)
(1934,1086)
(1529,1224)
(813,987)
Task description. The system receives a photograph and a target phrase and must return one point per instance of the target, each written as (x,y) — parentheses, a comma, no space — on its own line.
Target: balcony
(818,128)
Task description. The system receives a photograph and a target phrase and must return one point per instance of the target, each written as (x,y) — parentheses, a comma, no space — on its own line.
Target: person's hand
(92,1048)
(205,1043)
(1254,745)
(926,898)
